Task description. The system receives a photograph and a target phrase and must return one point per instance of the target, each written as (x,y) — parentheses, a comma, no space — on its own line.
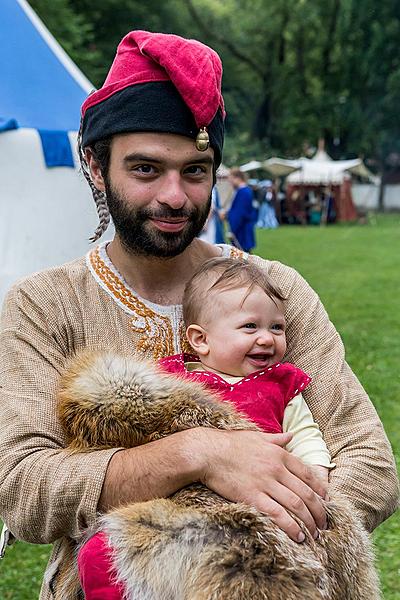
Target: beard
(137,235)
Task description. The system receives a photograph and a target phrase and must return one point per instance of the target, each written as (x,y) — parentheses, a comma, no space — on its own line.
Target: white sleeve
(307,443)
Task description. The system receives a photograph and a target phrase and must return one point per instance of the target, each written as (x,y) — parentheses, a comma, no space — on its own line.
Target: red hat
(158,82)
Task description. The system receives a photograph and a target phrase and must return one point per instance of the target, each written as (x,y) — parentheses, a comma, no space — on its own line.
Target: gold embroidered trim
(236,253)
(186,348)
(155,330)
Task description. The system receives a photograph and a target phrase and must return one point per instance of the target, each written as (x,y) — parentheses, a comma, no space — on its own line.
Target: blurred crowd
(239,205)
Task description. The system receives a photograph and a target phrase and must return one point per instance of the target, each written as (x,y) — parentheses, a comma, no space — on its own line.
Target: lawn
(356,271)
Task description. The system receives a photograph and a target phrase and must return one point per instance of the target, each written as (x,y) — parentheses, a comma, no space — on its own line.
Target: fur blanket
(196,545)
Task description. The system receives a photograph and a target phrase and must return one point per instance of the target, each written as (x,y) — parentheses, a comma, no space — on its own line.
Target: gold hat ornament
(202,140)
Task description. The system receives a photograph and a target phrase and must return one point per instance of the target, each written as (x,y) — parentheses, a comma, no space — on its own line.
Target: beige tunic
(48,496)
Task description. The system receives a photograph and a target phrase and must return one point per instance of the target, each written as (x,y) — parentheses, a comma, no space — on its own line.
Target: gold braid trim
(155,331)
(236,253)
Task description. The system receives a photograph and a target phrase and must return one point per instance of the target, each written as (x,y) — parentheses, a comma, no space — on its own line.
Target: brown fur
(197,545)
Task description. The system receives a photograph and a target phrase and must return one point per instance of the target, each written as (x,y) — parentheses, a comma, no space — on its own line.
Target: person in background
(213,230)
(242,213)
(267,217)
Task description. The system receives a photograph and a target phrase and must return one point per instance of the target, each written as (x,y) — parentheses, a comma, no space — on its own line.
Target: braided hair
(101,153)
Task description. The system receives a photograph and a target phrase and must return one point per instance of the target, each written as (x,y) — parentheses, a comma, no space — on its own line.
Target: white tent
(46,213)
(316,174)
(222,171)
(253,165)
(319,170)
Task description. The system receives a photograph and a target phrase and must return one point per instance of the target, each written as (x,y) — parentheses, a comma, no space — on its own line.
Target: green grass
(21,571)
(355,269)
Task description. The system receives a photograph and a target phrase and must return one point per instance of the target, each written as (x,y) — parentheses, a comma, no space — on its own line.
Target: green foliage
(294,70)
(71,30)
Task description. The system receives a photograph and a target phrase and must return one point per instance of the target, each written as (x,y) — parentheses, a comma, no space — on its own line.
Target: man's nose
(172,191)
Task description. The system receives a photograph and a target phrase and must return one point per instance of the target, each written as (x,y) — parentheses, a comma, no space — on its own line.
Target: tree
(294,70)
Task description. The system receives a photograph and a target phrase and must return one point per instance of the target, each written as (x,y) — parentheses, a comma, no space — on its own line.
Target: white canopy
(253,165)
(46,215)
(280,167)
(319,170)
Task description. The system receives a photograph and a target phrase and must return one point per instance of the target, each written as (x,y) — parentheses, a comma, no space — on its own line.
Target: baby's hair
(223,274)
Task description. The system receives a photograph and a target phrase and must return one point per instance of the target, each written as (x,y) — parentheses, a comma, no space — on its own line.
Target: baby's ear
(197,338)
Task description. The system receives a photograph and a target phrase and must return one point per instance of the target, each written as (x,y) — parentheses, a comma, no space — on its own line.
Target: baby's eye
(277,327)
(250,326)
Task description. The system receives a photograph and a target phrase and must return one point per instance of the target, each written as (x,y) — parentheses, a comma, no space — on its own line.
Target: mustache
(167,213)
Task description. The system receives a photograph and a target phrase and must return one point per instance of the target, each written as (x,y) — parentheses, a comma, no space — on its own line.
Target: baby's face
(245,332)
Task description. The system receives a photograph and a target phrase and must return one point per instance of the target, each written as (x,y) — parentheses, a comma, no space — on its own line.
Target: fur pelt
(196,545)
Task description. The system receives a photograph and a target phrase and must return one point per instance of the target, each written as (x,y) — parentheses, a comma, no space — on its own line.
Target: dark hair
(222,274)
(101,151)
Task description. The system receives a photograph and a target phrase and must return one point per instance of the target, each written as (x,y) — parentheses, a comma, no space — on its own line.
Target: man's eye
(250,326)
(145,169)
(195,170)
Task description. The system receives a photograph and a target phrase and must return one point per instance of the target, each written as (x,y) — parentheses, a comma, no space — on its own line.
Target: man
(242,215)
(151,140)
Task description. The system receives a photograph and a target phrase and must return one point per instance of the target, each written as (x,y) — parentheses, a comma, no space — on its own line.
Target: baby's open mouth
(259,357)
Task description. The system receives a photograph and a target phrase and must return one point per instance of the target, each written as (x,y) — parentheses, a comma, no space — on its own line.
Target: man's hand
(242,466)
(254,468)
(322,473)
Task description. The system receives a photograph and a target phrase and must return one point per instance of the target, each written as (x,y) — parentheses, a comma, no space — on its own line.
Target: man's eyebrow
(135,157)
(204,160)
(141,158)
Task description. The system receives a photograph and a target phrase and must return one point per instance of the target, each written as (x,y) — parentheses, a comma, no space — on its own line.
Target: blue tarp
(36,90)
(56,148)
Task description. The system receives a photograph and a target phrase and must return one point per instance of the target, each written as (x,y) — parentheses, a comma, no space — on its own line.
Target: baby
(196,544)
(235,323)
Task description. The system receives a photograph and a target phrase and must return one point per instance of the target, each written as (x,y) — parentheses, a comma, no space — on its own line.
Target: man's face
(158,192)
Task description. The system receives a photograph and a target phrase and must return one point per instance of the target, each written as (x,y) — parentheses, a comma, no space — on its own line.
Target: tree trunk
(381,196)
(261,123)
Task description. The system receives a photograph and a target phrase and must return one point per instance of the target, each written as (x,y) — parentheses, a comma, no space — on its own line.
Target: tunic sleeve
(365,469)
(45,492)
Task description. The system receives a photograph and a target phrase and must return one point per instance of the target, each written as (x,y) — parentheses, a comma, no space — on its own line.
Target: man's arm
(47,492)
(365,469)
(273,481)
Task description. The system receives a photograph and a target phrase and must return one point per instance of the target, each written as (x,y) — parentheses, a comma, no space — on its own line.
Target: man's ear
(197,338)
(95,170)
